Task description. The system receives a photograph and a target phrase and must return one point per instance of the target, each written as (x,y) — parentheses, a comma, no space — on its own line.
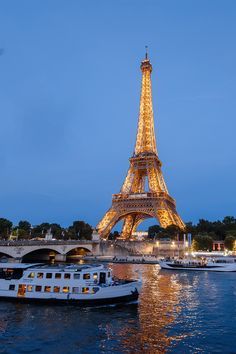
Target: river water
(178,312)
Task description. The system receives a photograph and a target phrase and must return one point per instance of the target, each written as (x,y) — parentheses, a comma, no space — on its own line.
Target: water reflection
(178,312)
(159,306)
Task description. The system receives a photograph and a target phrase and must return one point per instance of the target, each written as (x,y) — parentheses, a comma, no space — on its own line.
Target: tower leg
(131,223)
(108,221)
(128,226)
(169,217)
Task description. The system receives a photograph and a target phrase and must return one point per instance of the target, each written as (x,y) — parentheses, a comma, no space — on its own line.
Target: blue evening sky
(69,99)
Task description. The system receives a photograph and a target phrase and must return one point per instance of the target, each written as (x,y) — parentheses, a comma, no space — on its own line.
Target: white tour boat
(76,284)
(223,264)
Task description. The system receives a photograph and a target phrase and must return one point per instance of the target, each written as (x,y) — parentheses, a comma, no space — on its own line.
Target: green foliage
(21,234)
(24,225)
(113,235)
(153,231)
(202,242)
(5,227)
(216,230)
(230,243)
(80,230)
(170,232)
(229,220)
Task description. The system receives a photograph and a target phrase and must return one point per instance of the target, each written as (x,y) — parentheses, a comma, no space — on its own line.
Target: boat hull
(78,302)
(213,268)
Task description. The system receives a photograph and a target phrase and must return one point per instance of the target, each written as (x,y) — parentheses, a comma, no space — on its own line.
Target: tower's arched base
(133,209)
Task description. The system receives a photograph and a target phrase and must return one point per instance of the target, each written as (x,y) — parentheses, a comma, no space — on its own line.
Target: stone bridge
(58,249)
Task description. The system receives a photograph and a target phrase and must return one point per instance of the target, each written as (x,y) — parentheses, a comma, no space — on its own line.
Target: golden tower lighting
(134,204)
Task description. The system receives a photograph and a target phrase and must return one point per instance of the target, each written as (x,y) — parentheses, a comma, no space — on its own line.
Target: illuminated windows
(65,289)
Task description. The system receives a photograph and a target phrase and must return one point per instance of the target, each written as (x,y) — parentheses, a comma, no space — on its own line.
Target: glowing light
(132,204)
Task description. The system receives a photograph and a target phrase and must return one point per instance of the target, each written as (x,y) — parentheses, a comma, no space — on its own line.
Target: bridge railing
(45,242)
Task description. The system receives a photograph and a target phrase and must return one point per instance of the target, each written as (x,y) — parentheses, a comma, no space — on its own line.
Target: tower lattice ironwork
(134,204)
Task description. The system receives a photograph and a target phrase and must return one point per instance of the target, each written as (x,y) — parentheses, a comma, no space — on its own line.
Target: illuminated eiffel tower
(133,204)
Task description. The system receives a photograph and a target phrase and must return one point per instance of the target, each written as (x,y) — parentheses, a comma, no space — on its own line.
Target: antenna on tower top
(146,54)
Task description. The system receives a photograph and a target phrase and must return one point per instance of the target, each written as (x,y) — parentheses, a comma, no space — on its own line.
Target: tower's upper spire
(146,55)
(145,141)
(145,64)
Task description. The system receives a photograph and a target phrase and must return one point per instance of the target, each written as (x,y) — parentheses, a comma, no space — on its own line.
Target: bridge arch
(6,254)
(40,254)
(78,251)
(27,250)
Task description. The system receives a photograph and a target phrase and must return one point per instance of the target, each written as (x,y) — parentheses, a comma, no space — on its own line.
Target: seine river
(177,313)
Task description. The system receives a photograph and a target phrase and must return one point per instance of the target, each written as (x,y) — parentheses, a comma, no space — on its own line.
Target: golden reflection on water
(159,305)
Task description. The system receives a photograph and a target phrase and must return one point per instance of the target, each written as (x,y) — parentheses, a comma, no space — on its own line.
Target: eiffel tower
(133,204)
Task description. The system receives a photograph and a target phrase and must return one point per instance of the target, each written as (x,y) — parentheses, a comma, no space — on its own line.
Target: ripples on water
(178,312)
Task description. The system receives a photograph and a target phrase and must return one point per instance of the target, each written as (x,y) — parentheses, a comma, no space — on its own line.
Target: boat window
(75,290)
(31,275)
(65,289)
(11,287)
(29,288)
(86,276)
(102,278)
(48,275)
(95,276)
(56,289)
(40,275)
(67,276)
(8,274)
(58,275)
(95,289)
(85,290)
(21,290)
(38,288)
(47,289)
(76,276)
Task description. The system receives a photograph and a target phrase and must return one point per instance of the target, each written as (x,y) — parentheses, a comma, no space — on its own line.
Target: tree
(80,230)
(113,235)
(173,231)
(202,243)
(154,230)
(229,220)
(21,233)
(190,228)
(56,230)
(5,227)
(230,242)
(24,225)
(204,226)
(24,229)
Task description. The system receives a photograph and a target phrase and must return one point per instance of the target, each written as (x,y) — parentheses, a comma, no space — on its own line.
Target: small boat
(214,265)
(75,284)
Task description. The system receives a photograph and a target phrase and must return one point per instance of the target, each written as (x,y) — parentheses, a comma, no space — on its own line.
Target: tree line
(24,230)
(203,233)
